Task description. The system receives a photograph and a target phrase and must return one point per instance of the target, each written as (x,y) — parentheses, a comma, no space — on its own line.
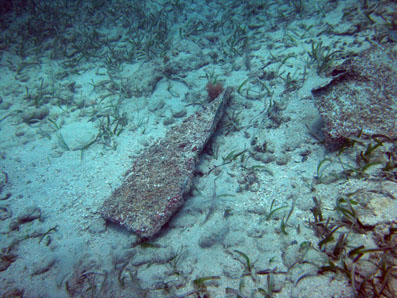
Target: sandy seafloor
(71,70)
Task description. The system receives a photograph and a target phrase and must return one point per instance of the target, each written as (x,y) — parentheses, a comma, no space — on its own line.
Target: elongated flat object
(155,186)
(362,99)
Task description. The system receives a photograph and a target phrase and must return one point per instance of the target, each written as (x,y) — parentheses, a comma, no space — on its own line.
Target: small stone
(6,260)
(3,180)
(154,106)
(282,160)
(5,105)
(145,78)
(98,226)
(255,232)
(232,270)
(12,293)
(14,226)
(179,114)
(268,158)
(168,121)
(43,266)
(5,212)
(33,115)
(259,144)
(29,214)
(213,236)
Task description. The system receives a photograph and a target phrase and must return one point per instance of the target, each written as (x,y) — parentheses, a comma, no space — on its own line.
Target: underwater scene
(195,149)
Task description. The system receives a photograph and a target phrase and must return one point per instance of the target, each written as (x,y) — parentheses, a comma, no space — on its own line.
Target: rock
(145,79)
(155,256)
(29,214)
(255,232)
(156,105)
(13,293)
(154,187)
(6,260)
(361,97)
(78,133)
(168,121)
(179,114)
(189,56)
(3,180)
(43,266)
(232,270)
(282,160)
(291,255)
(5,212)
(5,105)
(98,226)
(211,237)
(34,115)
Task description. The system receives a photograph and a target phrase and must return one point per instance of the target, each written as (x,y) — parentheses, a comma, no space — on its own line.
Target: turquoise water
(289,192)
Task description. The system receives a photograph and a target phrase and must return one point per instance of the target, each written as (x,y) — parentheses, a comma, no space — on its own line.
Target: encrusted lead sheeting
(363,97)
(155,185)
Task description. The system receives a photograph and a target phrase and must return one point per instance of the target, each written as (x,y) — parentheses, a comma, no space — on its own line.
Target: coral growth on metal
(155,186)
(363,96)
